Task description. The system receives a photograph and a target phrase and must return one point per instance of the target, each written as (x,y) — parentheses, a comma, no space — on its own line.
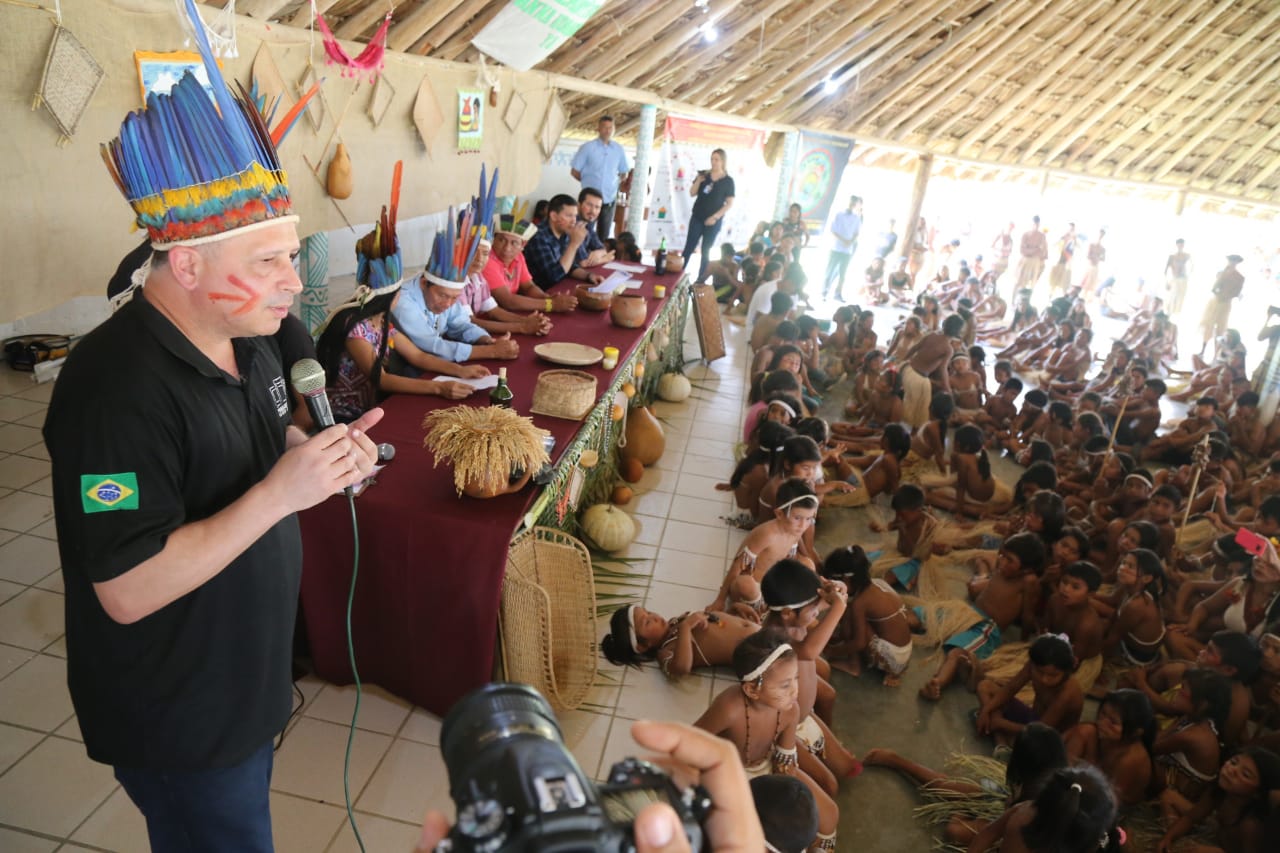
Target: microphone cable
(355,673)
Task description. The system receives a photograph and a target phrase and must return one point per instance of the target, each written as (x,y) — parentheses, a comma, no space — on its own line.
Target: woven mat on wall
(71,77)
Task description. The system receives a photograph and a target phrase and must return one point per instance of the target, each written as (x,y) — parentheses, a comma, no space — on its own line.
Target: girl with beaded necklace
(759,717)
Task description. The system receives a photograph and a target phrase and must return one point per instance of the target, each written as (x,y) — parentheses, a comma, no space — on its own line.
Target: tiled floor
(52,797)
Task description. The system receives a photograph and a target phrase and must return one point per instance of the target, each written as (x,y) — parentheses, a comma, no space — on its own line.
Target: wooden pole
(923,169)
(1201,454)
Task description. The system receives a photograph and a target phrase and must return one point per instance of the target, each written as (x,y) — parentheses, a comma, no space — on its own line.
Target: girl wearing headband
(752,472)
(801,458)
(775,539)
(875,626)
(759,716)
(698,638)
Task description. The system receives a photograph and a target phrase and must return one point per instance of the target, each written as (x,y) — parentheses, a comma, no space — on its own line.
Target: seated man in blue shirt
(428,311)
(552,253)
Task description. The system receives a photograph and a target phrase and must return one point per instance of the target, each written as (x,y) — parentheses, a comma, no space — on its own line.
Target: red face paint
(248,296)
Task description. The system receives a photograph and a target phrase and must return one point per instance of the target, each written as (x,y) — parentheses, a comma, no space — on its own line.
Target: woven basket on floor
(548,616)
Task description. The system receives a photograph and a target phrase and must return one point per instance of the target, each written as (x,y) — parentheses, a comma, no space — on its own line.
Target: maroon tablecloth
(431,563)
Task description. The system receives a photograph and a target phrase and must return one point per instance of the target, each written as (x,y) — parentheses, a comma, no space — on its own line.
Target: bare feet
(966,663)
(891,680)
(932,690)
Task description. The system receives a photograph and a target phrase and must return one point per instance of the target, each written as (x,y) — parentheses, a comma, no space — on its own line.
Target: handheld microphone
(307,377)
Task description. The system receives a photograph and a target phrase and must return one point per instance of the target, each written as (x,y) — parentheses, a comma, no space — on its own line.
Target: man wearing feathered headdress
(508,275)
(176,477)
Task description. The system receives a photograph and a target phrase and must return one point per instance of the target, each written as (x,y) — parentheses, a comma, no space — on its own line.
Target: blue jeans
(700,231)
(837,266)
(211,811)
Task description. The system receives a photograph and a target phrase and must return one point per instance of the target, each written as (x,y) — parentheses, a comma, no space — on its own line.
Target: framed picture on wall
(160,72)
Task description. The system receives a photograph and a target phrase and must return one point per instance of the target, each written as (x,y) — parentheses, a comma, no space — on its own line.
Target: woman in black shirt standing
(713,191)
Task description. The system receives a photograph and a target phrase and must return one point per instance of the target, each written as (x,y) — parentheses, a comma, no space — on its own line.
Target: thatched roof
(1181,93)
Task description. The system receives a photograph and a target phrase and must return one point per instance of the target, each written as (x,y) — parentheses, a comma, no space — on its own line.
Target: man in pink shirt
(508,276)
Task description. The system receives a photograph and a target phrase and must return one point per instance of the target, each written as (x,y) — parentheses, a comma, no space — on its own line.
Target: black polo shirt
(146,434)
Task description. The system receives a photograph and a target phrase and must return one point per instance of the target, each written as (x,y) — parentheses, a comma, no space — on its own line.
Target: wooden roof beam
(728,39)
(1201,72)
(675,48)
(910,33)
(1093,115)
(856,31)
(977,65)
(773,40)
(1066,53)
(639,40)
(264,10)
(1266,82)
(406,32)
(608,28)
(455,22)
(1242,162)
(364,18)
(955,41)
(302,17)
(457,44)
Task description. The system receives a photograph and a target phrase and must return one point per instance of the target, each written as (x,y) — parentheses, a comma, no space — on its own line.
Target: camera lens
(492,714)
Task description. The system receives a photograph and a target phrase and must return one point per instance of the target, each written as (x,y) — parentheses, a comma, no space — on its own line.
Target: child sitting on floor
(1058,697)
(916,527)
(878,474)
(1242,800)
(1074,812)
(759,717)
(875,625)
(1037,752)
(970,479)
(800,459)
(765,545)
(999,599)
(1137,623)
(1188,752)
(752,472)
(1069,610)
(795,595)
(1118,742)
(697,638)
(788,814)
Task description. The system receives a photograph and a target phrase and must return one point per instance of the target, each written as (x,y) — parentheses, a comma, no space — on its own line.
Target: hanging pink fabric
(370,59)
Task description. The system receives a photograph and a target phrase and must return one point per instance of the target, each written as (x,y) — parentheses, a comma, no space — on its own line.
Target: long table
(425,612)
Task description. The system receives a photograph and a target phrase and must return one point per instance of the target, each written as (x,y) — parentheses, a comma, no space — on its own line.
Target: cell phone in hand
(1251,542)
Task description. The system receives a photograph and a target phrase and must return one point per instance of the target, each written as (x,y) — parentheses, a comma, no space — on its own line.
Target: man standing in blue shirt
(844,228)
(600,163)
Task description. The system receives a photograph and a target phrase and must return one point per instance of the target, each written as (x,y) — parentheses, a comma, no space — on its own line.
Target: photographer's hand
(732,825)
(699,757)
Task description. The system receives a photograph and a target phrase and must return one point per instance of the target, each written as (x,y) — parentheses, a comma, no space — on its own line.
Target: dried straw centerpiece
(485,444)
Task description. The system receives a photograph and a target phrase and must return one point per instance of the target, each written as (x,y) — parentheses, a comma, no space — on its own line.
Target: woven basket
(548,616)
(568,394)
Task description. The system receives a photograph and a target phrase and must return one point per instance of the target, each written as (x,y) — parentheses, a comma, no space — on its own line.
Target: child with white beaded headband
(1074,812)
(780,537)
(759,716)
(796,597)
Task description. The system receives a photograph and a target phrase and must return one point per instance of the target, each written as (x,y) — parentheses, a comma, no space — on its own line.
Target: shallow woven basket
(548,616)
(568,394)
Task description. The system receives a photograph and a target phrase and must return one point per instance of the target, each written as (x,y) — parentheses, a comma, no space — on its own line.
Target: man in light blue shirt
(429,314)
(600,164)
(844,229)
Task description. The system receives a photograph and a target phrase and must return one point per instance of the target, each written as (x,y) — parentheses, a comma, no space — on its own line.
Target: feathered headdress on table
(455,247)
(195,172)
(516,223)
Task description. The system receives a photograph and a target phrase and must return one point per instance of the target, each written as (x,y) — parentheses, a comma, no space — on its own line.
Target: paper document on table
(617,281)
(480,384)
(625,267)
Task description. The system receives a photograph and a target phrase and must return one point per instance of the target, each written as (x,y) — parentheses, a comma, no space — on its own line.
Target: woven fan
(71,77)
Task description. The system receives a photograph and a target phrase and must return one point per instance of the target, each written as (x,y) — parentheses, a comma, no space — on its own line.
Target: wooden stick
(1116,428)
(1199,458)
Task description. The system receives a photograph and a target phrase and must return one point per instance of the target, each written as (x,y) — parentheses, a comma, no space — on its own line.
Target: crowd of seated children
(1088,557)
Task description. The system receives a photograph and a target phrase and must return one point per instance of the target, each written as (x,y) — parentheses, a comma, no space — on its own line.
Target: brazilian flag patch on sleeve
(105,492)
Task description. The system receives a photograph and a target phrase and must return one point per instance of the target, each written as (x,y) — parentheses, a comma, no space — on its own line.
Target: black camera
(517,788)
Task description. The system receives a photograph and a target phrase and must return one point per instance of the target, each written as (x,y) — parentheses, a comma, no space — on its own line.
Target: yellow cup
(659,291)
(610,358)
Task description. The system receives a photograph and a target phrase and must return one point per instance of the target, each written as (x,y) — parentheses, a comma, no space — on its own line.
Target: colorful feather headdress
(195,172)
(455,248)
(516,223)
(378,259)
